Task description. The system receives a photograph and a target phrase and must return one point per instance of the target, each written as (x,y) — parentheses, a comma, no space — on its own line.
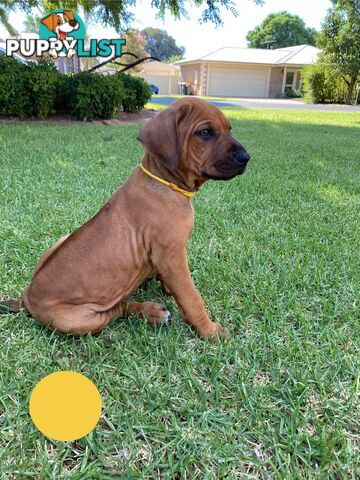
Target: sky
(201,39)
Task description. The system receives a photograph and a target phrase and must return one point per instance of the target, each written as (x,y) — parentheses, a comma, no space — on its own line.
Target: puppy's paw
(71,53)
(214,331)
(156,313)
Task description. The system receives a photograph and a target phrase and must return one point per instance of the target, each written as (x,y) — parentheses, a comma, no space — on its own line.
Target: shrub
(293,93)
(137,92)
(89,96)
(14,97)
(323,84)
(38,89)
(27,90)
(43,81)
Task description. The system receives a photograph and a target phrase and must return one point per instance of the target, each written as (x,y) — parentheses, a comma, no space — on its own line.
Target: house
(164,75)
(247,72)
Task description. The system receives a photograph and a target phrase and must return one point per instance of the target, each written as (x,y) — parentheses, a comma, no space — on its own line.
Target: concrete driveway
(287,103)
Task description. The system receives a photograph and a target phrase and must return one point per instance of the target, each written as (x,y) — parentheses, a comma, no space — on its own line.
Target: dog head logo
(63,25)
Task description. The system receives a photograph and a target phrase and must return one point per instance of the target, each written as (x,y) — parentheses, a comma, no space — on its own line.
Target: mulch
(123,118)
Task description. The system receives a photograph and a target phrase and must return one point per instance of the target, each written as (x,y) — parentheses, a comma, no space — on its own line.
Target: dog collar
(165,182)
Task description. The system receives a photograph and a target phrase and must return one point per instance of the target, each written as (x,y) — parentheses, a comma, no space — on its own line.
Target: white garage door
(237,82)
(161,81)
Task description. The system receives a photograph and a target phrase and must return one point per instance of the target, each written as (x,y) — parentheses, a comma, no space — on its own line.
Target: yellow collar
(165,182)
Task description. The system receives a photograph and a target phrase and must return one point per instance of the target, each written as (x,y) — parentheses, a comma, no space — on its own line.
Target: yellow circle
(65,406)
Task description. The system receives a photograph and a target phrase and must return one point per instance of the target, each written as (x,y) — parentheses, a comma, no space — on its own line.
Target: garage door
(237,82)
(161,81)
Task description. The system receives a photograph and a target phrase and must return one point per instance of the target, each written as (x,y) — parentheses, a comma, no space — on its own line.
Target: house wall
(276,81)
(191,75)
(197,75)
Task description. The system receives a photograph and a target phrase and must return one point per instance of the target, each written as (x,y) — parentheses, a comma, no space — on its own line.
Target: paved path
(294,104)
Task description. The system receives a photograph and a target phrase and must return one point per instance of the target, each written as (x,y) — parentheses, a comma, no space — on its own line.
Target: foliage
(14,100)
(117,14)
(281,30)
(173,59)
(4,20)
(135,43)
(136,92)
(28,90)
(339,40)
(161,45)
(38,90)
(323,84)
(43,81)
(32,22)
(91,96)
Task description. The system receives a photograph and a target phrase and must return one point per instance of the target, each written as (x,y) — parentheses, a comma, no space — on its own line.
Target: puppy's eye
(59,21)
(206,133)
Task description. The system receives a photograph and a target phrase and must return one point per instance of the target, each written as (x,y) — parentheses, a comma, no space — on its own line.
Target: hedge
(38,90)
(89,96)
(323,84)
(137,93)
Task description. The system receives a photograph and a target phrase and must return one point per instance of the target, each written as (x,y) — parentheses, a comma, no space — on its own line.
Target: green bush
(90,95)
(293,93)
(43,84)
(137,92)
(27,90)
(323,84)
(14,97)
(38,89)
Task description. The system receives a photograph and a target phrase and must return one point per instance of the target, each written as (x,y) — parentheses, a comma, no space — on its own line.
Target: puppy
(85,279)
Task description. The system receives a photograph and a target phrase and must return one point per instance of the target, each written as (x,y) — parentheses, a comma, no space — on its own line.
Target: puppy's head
(61,23)
(192,136)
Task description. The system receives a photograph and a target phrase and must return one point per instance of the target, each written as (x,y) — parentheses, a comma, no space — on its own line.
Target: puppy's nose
(73,23)
(241,156)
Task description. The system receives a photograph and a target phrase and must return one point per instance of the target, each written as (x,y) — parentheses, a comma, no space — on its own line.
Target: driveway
(287,103)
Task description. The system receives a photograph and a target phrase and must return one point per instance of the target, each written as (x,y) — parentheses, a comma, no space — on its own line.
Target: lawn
(275,254)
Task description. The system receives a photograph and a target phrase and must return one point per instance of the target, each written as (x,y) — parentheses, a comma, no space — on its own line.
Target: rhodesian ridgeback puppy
(84,280)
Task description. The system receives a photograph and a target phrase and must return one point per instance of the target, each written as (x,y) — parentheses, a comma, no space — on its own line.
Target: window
(290,81)
(289,78)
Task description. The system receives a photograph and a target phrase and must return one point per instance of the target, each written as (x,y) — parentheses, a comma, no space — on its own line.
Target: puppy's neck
(182,179)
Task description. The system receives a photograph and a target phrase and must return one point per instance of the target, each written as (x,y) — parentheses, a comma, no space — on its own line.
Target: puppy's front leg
(176,275)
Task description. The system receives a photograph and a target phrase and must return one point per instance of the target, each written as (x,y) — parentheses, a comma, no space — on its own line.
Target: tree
(116,13)
(339,40)
(32,22)
(4,18)
(281,30)
(135,43)
(160,44)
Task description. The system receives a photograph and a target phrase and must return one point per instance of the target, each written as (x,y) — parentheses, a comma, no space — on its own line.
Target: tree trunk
(350,91)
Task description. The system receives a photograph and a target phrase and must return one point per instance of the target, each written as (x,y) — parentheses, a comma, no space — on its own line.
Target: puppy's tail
(11,306)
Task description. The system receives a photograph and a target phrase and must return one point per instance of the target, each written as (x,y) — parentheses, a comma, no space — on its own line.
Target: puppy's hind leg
(154,313)
(80,319)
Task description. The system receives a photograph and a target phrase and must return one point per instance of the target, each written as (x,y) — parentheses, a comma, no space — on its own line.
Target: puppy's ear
(70,14)
(50,22)
(161,136)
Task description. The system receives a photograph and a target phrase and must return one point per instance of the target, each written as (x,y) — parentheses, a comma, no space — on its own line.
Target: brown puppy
(84,280)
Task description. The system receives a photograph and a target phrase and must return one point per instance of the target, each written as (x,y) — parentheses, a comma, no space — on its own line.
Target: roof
(160,66)
(297,55)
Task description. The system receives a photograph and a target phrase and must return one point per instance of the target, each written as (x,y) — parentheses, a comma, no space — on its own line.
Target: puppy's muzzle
(241,156)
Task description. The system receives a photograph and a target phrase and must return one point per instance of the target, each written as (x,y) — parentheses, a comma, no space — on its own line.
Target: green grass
(222,99)
(275,255)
